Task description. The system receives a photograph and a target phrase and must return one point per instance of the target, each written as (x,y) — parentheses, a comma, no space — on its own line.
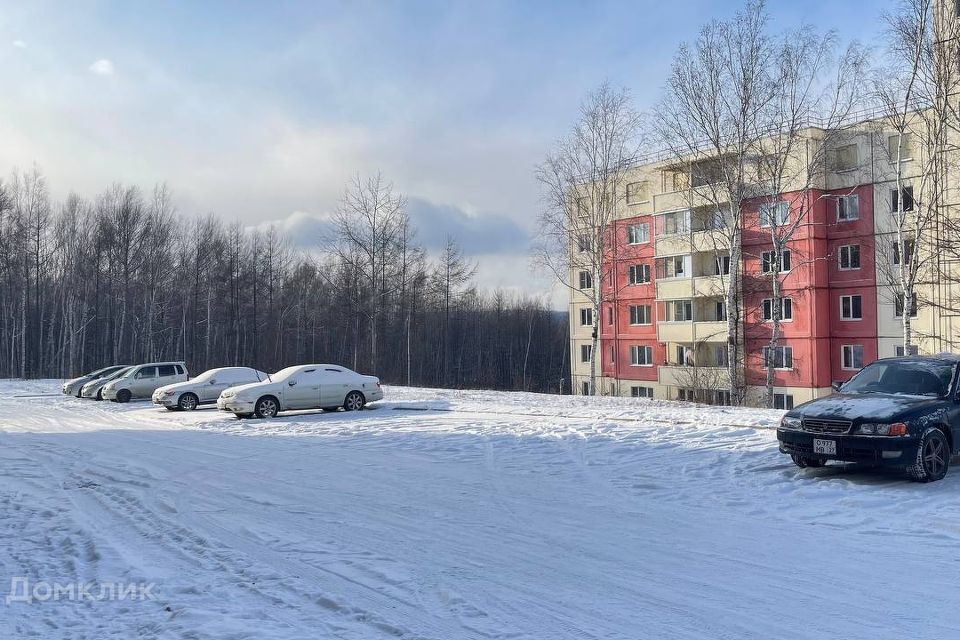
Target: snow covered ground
(448,515)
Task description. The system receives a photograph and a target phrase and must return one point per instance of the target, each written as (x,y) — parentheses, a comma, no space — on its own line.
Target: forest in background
(124,278)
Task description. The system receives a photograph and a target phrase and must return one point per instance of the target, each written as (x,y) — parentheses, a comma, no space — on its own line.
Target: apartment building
(663,331)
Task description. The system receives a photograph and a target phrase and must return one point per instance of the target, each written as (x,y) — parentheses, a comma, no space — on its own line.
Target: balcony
(692,332)
(711,286)
(694,377)
(674,288)
(684,199)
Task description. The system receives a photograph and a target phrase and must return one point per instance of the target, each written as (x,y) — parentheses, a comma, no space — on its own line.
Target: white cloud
(102,67)
(19,44)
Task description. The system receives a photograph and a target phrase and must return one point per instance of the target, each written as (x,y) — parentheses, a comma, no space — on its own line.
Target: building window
(586,317)
(848,157)
(720,311)
(679,310)
(675,222)
(721,355)
(640,314)
(851,308)
(898,306)
(583,207)
(778,357)
(913,350)
(585,388)
(851,356)
(849,257)
(908,244)
(613,354)
(586,350)
(638,233)
(637,192)
(639,273)
(672,267)
(768,261)
(848,208)
(907,200)
(641,356)
(721,266)
(610,315)
(586,280)
(721,397)
(786,307)
(583,243)
(896,148)
(641,392)
(774,214)
(782,401)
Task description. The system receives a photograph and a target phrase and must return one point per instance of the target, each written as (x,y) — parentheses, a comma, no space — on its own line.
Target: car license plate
(826,447)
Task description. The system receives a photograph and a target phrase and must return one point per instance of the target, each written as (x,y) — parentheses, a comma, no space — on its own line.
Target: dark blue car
(894,412)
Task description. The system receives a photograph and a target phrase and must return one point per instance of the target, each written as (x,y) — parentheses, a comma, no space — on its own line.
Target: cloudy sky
(261,111)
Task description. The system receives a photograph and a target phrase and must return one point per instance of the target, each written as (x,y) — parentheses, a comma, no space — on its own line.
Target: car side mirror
(835,385)
(291,383)
(213,382)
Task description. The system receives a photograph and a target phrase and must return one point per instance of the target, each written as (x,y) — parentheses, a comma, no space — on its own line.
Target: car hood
(178,386)
(73,381)
(866,406)
(256,386)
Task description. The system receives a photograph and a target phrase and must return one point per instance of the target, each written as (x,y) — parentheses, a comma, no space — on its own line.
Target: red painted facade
(815,283)
(617,335)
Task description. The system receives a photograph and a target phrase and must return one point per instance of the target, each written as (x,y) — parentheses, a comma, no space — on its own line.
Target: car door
(166,374)
(303,390)
(334,386)
(210,390)
(143,381)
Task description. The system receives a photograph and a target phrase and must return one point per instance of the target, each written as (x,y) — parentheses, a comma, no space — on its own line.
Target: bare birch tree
(583,183)
(917,92)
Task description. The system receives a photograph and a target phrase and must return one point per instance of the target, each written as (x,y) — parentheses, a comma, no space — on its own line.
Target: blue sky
(261,111)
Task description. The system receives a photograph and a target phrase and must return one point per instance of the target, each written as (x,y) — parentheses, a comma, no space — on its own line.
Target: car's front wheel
(804,462)
(933,457)
(266,407)
(188,402)
(123,395)
(354,401)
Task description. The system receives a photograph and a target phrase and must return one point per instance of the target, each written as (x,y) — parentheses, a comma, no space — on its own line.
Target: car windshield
(903,377)
(284,373)
(119,374)
(206,375)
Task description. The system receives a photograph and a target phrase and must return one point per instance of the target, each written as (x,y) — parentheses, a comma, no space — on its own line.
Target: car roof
(953,358)
(153,364)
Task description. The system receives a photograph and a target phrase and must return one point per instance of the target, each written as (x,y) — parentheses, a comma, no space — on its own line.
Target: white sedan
(307,386)
(205,388)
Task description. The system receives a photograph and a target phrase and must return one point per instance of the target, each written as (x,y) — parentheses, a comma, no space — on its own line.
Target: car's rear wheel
(933,457)
(188,402)
(79,394)
(354,401)
(266,407)
(123,395)
(804,462)
(328,409)
(99,395)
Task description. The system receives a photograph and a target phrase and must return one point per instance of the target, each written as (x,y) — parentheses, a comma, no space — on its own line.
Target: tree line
(124,278)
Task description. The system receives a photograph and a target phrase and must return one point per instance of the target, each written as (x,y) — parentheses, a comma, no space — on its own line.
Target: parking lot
(438,514)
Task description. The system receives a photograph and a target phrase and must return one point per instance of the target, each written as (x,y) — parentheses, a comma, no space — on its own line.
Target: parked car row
(243,391)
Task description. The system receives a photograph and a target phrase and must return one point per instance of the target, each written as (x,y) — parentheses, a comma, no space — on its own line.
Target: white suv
(142,380)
